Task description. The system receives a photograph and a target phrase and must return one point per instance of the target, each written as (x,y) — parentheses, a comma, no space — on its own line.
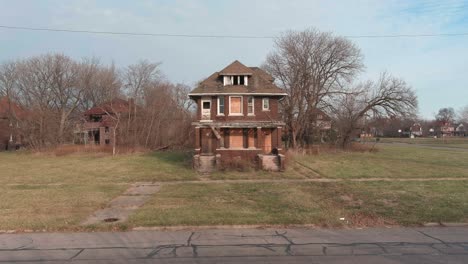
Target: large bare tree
(312,67)
(387,97)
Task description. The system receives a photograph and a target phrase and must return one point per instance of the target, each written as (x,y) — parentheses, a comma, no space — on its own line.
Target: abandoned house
(238,119)
(10,116)
(99,122)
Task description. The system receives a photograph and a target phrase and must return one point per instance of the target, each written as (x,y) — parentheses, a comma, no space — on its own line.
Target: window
(250,105)
(266,104)
(235,80)
(206,105)
(107,141)
(221,105)
(235,105)
(106,129)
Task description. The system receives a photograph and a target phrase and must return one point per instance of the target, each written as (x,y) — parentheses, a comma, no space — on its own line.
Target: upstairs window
(235,105)
(266,104)
(250,105)
(220,105)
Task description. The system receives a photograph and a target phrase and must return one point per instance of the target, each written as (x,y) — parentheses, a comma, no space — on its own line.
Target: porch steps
(270,162)
(205,163)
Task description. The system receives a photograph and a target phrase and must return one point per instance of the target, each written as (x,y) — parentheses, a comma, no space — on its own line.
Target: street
(294,245)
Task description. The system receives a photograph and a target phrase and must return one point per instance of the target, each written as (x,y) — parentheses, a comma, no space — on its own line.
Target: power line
(219,36)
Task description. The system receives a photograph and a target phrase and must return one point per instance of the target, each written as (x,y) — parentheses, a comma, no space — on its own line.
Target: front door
(206,110)
(267,142)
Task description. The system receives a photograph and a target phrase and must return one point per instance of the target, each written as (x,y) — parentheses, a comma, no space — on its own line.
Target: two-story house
(238,116)
(99,122)
(10,131)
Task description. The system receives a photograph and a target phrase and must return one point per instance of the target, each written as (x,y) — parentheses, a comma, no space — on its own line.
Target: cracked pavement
(294,245)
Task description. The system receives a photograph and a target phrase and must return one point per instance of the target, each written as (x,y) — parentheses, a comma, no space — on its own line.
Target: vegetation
(43,191)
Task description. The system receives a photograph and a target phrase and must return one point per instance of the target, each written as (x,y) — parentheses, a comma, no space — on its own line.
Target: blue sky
(435,67)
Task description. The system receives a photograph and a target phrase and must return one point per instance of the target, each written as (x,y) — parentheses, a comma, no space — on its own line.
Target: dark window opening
(206,105)
(107,141)
(106,129)
(96,118)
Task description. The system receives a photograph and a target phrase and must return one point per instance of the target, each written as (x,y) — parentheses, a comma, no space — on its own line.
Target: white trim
(263,104)
(217,106)
(201,109)
(253,105)
(272,94)
(241,106)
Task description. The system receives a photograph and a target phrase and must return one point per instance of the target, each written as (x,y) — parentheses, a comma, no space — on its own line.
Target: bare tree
(312,67)
(446,115)
(388,97)
(463,115)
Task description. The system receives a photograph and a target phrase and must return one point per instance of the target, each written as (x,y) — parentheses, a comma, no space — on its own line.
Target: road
(294,245)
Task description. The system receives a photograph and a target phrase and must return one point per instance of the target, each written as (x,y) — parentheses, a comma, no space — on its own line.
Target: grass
(56,193)
(322,204)
(391,162)
(452,142)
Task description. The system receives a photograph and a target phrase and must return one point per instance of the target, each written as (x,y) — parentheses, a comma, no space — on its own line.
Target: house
(416,130)
(238,119)
(460,130)
(321,125)
(446,129)
(99,122)
(10,116)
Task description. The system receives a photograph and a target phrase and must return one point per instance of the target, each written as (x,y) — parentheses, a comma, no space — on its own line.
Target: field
(56,193)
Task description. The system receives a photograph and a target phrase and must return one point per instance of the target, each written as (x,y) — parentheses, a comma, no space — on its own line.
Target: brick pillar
(259,138)
(197,138)
(280,134)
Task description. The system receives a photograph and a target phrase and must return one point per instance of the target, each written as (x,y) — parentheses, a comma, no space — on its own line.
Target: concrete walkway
(393,245)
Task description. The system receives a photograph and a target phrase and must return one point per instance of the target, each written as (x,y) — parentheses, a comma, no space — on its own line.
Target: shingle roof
(236,68)
(260,82)
(114,106)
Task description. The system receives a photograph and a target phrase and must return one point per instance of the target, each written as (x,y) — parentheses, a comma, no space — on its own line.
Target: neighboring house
(321,124)
(238,117)
(446,129)
(10,116)
(460,130)
(99,123)
(416,130)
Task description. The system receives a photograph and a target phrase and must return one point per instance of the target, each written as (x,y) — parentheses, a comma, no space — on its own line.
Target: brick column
(259,138)
(197,138)
(280,134)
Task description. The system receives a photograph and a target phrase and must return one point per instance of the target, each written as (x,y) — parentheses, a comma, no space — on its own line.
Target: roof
(260,83)
(236,68)
(113,106)
(7,106)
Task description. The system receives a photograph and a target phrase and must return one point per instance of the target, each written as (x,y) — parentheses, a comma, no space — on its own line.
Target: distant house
(321,123)
(11,115)
(416,130)
(446,129)
(460,130)
(238,117)
(99,122)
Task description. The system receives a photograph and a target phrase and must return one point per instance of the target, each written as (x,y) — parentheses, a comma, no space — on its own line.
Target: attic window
(235,80)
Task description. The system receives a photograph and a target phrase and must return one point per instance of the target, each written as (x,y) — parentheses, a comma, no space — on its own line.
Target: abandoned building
(99,122)
(10,132)
(238,119)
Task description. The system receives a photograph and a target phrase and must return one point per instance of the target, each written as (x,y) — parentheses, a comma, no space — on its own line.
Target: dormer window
(236,80)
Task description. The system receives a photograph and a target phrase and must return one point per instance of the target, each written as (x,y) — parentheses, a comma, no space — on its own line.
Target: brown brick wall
(259,114)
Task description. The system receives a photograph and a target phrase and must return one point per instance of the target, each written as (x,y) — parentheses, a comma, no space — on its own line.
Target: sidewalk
(393,245)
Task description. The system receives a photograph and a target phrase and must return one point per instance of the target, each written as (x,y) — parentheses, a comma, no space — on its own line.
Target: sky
(436,67)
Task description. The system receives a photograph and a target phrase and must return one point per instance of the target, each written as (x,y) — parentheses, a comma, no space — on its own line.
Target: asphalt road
(385,245)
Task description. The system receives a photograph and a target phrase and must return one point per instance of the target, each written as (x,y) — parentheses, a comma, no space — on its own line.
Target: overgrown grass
(453,142)
(391,162)
(321,204)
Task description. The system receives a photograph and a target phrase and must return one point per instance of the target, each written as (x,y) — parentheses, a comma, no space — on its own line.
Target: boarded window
(236,139)
(235,104)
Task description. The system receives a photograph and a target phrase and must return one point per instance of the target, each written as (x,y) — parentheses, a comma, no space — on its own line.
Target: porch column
(259,138)
(197,138)
(280,134)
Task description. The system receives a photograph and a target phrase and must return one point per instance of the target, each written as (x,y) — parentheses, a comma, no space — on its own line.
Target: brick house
(11,115)
(238,118)
(99,123)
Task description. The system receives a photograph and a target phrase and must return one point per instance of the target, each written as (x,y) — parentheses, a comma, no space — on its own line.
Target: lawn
(391,162)
(452,142)
(322,204)
(56,193)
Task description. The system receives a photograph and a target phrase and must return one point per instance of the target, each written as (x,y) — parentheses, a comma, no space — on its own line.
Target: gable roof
(260,83)
(114,106)
(236,68)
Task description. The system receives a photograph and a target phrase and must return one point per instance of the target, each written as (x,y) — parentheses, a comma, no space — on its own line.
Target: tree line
(55,90)
(318,70)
